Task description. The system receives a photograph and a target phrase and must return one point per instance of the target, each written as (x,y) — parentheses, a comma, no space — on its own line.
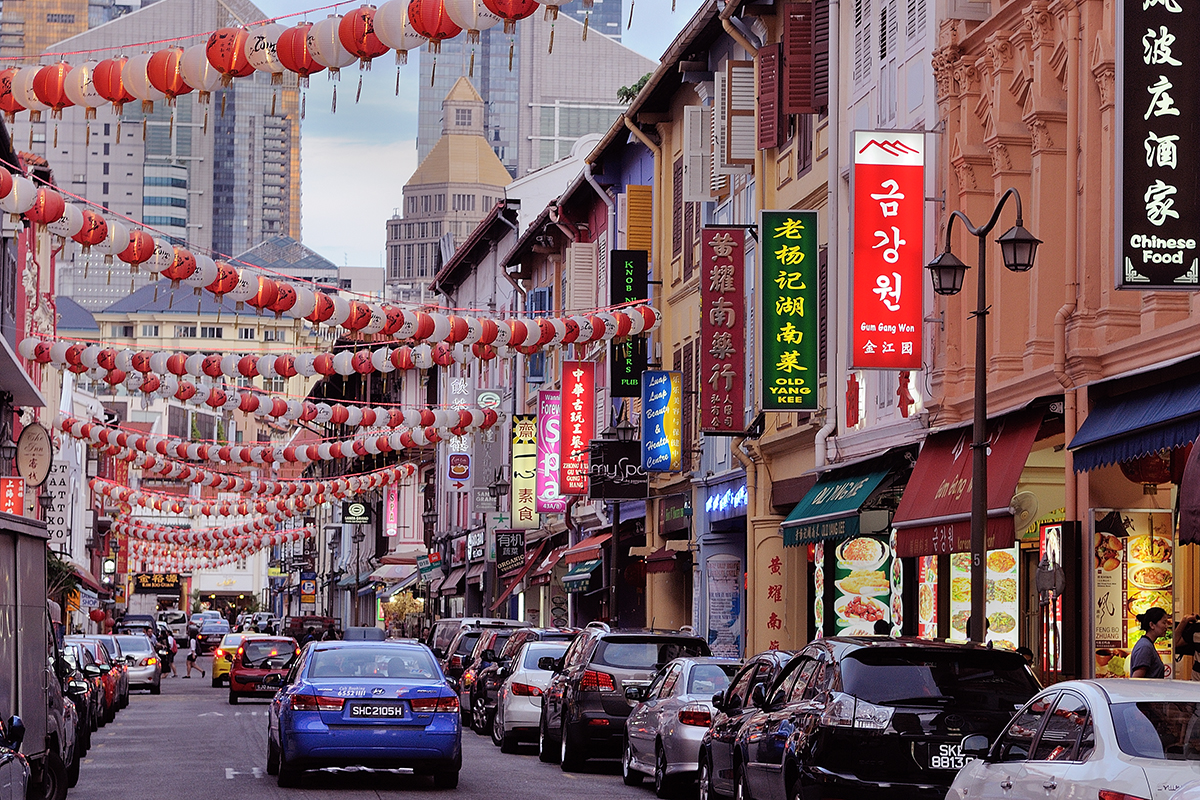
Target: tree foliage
(626,94)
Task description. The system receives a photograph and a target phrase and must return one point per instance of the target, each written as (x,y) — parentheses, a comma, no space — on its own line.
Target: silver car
(665,729)
(145,670)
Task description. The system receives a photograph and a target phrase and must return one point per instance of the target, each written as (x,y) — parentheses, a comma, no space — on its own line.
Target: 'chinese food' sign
(579,416)
(789,310)
(889,221)
(1158,109)
(662,421)
(524,472)
(722,330)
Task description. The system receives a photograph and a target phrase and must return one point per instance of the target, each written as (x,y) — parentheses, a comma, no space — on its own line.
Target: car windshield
(232,639)
(466,644)
(1160,730)
(135,644)
(542,650)
(268,653)
(214,626)
(499,641)
(711,678)
(374,662)
(644,653)
(111,645)
(990,680)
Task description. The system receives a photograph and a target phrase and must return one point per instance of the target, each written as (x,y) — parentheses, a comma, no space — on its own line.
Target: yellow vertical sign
(524,472)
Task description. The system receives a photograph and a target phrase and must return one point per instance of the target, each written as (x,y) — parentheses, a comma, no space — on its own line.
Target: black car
(873,717)
(584,708)
(733,707)
(85,689)
(494,665)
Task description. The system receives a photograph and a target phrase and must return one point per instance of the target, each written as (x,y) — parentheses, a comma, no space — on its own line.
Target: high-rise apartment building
(221,176)
(534,111)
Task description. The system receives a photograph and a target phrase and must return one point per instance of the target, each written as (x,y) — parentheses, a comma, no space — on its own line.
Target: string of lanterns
(209,537)
(185,506)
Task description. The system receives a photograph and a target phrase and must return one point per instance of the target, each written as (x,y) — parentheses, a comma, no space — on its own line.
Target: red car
(257,657)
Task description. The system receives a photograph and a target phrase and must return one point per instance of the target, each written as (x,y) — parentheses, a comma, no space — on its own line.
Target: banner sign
(524,472)
(356,513)
(789,310)
(616,471)
(662,421)
(12,496)
(627,283)
(579,424)
(510,550)
(391,511)
(723,330)
(58,515)
(428,563)
(458,468)
(308,588)
(1158,164)
(156,584)
(888,220)
(549,444)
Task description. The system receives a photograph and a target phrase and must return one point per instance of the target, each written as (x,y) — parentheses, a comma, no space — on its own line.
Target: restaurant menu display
(897,571)
(927,620)
(1133,572)
(1003,608)
(819,587)
(862,583)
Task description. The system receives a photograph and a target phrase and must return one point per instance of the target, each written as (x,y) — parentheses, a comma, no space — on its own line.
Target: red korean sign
(12,496)
(722,330)
(888,260)
(578,424)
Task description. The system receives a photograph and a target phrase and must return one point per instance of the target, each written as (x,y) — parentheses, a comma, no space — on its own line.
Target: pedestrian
(1027,654)
(310,634)
(328,635)
(170,648)
(1187,642)
(1144,661)
(193,654)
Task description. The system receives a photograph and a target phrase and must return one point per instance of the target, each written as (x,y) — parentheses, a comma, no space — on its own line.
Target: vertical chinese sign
(12,496)
(579,422)
(662,421)
(628,278)
(889,223)
(524,472)
(789,310)
(549,446)
(722,330)
(1158,164)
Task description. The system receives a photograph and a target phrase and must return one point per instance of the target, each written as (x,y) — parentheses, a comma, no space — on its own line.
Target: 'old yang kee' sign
(1158,105)
(722,330)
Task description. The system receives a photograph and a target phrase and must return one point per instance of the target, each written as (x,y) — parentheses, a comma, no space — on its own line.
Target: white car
(1112,739)
(519,701)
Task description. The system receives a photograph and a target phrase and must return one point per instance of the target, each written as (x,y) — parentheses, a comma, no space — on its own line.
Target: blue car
(381,705)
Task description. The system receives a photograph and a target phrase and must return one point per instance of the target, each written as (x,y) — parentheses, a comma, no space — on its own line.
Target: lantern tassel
(205,128)
(510,26)
(87,133)
(397,81)
(156,291)
(510,54)
(109,281)
(401,57)
(89,112)
(276,78)
(551,50)
(144,119)
(630,25)
(303,97)
(171,128)
(587,21)
(334,108)
(433,70)
(30,142)
(274,97)
(56,134)
(224,95)
(147,106)
(471,69)
(358,94)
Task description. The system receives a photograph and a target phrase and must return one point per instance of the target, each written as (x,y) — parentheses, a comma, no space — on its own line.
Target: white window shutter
(582,281)
(697,153)
(741,122)
(622,220)
(602,257)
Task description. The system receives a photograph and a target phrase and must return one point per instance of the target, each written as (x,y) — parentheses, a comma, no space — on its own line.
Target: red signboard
(578,424)
(12,496)
(722,330)
(889,226)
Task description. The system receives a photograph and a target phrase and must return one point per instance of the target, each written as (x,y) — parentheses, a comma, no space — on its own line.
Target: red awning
(532,558)
(541,573)
(661,560)
(934,516)
(86,577)
(586,550)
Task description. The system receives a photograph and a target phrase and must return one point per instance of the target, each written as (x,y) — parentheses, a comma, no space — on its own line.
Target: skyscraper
(533,112)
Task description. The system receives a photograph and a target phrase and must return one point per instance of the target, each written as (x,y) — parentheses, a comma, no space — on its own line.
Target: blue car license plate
(376,711)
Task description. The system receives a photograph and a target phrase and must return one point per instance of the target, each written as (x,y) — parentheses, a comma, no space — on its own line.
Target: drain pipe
(833,213)
(608,201)
(732,30)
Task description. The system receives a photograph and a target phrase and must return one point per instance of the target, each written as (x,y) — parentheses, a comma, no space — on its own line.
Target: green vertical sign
(788,253)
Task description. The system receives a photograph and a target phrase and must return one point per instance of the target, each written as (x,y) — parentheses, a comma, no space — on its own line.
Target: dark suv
(584,708)
(494,666)
(873,717)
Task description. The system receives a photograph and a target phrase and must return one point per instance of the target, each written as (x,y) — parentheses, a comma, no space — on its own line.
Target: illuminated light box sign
(788,310)
(662,421)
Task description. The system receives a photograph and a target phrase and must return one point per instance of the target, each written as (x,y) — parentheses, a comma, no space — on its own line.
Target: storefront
(719,594)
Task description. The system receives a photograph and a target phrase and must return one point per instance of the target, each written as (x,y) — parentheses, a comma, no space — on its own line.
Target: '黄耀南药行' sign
(788,254)
(722,330)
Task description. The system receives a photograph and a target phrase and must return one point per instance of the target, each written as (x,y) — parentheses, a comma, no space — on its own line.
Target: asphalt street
(189,742)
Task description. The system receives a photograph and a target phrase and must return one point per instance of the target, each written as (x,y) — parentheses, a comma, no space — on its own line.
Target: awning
(85,575)
(476,571)
(348,581)
(661,560)
(392,591)
(532,558)
(541,573)
(579,575)
(393,572)
(934,516)
(16,380)
(435,583)
(586,550)
(1136,424)
(451,584)
(830,508)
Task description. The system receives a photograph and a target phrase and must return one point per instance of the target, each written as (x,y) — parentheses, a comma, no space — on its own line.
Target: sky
(354,162)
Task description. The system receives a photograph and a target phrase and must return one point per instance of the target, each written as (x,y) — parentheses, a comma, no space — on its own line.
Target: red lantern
(424,326)
(340,415)
(47,207)
(186,391)
(50,87)
(322,308)
(96,615)
(8,102)
(292,50)
(402,358)
(361,361)
(285,298)
(140,249)
(94,230)
(458,330)
(1148,470)
(431,21)
(107,358)
(268,290)
(248,366)
(216,397)
(211,366)
(359,317)
(443,354)
(427,417)
(323,364)
(6,182)
(511,11)
(227,279)
(182,266)
(226,51)
(357,32)
(286,366)
(164,75)
(106,77)
(395,318)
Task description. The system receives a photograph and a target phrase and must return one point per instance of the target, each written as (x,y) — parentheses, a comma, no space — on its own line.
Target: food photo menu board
(927,620)
(1003,608)
(1133,571)
(862,582)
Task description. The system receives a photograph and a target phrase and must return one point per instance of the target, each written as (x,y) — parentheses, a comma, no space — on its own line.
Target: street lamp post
(1018,248)
(358,537)
(429,518)
(620,430)
(498,490)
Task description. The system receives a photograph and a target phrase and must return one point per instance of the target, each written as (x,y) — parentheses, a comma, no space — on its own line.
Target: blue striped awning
(1137,424)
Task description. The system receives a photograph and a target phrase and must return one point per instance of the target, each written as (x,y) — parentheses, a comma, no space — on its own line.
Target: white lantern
(341,310)
(197,72)
(247,286)
(22,197)
(80,89)
(137,82)
(381,359)
(393,29)
(206,272)
(262,50)
(325,46)
(22,92)
(343,363)
(470,15)
(306,301)
(69,224)
(116,241)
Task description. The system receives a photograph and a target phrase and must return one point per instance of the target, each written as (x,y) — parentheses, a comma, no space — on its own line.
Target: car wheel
(73,769)
(216,682)
(664,784)
(629,775)
(272,757)
(547,752)
(741,788)
(53,781)
(569,757)
(479,717)
(445,780)
(287,776)
(233,697)
(706,790)
(156,689)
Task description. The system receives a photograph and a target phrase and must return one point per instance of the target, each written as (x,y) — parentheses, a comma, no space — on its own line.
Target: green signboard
(789,312)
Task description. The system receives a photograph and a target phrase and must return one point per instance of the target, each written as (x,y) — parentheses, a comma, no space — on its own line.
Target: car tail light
(468,677)
(455,662)
(846,711)
(593,681)
(525,690)
(1108,794)
(695,715)
(149,661)
(315,702)
(219,653)
(434,704)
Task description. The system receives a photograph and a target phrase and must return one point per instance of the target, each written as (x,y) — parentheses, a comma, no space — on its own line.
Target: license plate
(376,711)
(946,756)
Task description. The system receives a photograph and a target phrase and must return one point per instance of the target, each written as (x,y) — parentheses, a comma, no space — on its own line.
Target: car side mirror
(77,687)
(548,663)
(104,668)
(975,746)
(92,671)
(635,694)
(718,701)
(14,732)
(488,655)
(758,697)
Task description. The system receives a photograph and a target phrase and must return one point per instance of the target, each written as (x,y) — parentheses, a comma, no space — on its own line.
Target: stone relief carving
(1001,161)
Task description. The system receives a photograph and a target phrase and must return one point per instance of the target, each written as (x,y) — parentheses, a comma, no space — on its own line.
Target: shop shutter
(639,204)
(622,220)
(740,116)
(697,154)
(820,55)
(581,281)
(862,41)
(690,234)
(798,57)
(677,208)
(771,124)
